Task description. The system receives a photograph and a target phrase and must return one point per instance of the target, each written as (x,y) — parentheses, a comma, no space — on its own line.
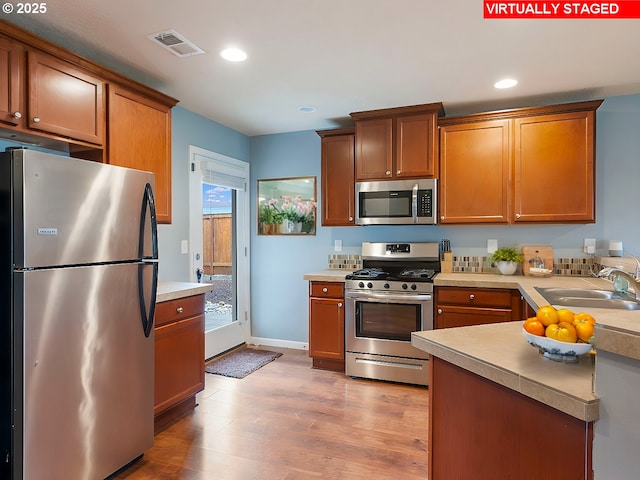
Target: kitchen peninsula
(496,405)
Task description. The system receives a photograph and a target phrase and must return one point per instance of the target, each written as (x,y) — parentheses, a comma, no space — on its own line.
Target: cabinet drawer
(480,297)
(326,289)
(174,310)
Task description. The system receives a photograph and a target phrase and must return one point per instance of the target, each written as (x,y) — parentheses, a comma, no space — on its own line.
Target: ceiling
(344,56)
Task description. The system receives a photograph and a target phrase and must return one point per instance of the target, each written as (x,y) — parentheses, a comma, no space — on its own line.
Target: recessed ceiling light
(506,83)
(307,109)
(233,55)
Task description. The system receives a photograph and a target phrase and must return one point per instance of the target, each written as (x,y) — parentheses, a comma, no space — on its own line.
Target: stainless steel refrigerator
(79,274)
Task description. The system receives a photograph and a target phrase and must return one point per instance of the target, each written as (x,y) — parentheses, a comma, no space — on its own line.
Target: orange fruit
(565,315)
(547,315)
(563,332)
(584,316)
(584,329)
(534,326)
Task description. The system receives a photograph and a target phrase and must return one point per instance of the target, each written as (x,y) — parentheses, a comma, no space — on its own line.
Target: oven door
(381,323)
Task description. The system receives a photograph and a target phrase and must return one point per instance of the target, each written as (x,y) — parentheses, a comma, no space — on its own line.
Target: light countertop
(500,353)
(617,331)
(327,275)
(173,290)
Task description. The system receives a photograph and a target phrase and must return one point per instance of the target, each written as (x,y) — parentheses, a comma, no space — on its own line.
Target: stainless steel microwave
(397,202)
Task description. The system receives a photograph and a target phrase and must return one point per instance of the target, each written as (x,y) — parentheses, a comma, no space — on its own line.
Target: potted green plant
(507,260)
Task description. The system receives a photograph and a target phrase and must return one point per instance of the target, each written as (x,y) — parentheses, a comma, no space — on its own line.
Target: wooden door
(374,149)
(64,99)
(11,109)
(179,361)
(338,182)
(326,328)
(416,146)
(554,168)
(475,172)
(140,137)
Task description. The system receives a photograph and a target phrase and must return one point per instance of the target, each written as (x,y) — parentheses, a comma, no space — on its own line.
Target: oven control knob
(361,285)
(386,285)
(370,285)
(404,286)
(414,286)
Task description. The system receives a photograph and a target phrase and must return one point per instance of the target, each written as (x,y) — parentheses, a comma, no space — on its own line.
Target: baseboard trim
(274,342)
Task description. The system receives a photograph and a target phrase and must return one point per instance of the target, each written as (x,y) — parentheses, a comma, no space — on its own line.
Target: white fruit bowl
(555,350)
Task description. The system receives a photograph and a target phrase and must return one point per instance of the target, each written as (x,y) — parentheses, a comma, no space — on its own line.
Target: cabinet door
(475,172)
(338,188)
(64,99)
(416,146)
(448,316)
(554,168)
(179,362)
(140,137)
(374,149)
(10,82)
(326,328)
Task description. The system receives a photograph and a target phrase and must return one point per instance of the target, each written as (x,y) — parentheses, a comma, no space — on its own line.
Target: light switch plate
(184,247)
(337,245)
(492,245)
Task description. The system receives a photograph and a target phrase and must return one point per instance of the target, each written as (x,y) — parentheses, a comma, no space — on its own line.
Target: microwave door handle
(414,203)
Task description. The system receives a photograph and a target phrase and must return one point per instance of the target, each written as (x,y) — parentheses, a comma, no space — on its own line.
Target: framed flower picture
(287,206)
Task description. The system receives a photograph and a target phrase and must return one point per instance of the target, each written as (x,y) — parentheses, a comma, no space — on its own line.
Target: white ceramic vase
(507,268)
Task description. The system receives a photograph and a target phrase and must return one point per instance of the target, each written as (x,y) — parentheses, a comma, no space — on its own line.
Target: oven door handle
(382,297)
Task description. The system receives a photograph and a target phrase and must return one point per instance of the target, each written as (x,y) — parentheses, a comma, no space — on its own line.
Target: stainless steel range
(388,299)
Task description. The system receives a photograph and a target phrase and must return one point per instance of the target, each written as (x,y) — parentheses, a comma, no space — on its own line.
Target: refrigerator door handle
(148,202)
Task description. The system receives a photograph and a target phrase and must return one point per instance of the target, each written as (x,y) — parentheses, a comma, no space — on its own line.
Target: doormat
(241,363)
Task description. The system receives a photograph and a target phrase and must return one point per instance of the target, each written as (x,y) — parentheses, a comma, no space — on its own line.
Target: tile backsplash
(473,264)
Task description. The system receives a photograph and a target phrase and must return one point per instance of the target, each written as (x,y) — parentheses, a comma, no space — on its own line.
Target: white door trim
(239,331)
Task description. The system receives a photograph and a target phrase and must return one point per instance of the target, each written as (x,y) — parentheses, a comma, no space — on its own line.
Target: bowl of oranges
(560,334)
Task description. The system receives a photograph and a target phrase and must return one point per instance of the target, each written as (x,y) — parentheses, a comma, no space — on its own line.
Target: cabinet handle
(340,305)
(439,311)
(472,296)
(324,290)
(517,215)
(388,172)
(17,115)
(36,119)
(351,219)
(179,310)
(398,172)
(442,217)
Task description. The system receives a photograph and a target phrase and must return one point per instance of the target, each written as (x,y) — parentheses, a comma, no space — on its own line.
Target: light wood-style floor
(289,421)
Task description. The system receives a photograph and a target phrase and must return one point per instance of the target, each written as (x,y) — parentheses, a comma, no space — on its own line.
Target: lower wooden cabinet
(326,325)
(179,356)
(478,426)
(464,306)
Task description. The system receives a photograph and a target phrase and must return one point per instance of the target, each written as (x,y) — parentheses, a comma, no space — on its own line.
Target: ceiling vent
(175,43)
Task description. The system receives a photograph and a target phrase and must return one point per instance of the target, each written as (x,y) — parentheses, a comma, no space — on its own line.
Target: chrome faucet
(634,281)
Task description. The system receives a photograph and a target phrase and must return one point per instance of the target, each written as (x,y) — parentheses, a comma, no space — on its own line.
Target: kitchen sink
(584,297)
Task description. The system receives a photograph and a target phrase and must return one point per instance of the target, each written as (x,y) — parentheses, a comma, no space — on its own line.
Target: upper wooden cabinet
(397,142)
(64,99)
(518,166)
(140,137)
(11,107)
(338,185)
(57,99)
(475,166)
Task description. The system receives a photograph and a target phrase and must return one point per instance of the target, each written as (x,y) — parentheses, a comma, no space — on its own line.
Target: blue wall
(188,129)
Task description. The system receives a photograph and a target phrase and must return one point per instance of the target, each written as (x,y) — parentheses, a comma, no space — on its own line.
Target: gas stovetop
(396,267)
